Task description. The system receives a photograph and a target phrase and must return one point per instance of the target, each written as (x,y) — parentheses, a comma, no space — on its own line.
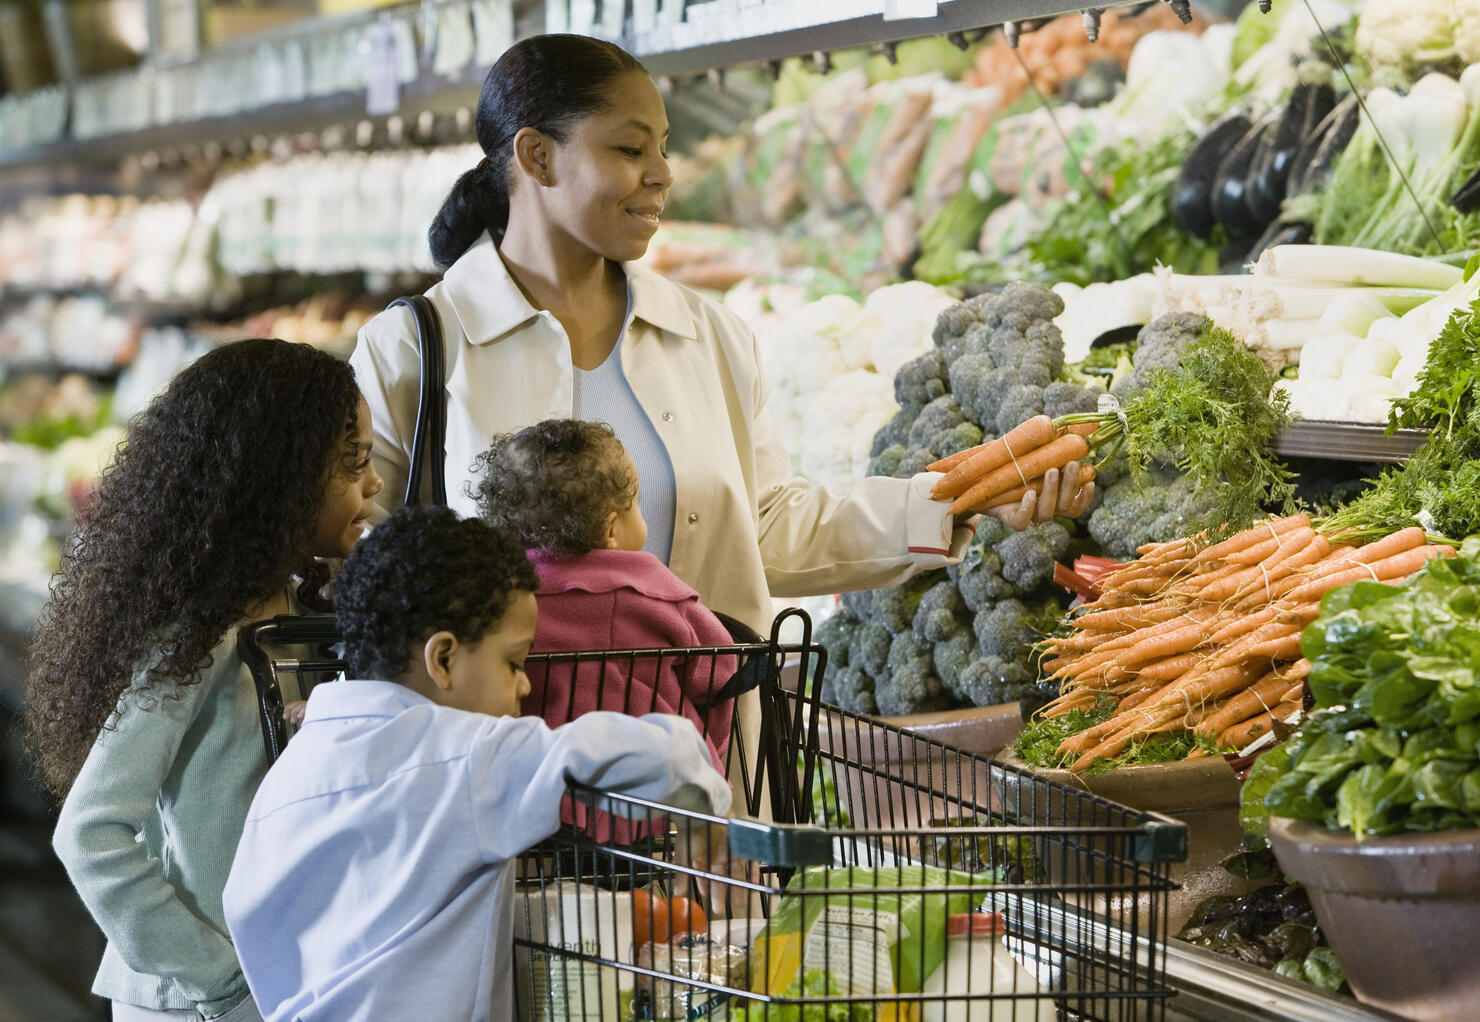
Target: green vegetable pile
(811,983)
(1394,742)
(1439,486)
(1038,743)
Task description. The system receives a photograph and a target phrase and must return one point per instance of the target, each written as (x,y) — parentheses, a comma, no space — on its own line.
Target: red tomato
(659,920)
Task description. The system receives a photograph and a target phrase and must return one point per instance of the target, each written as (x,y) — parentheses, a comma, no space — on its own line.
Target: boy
(374,876)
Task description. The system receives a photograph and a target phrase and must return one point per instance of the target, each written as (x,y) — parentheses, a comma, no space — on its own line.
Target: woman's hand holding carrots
(1028,475)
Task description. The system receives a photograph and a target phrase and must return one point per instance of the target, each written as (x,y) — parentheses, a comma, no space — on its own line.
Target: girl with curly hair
(254,462)
(568,491)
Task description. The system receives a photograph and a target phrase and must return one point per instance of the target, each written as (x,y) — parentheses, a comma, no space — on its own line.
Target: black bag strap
(429,440)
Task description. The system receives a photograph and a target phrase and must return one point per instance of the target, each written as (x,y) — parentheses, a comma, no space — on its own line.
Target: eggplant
(1281,232)
(1467,199)
(1230,183)
(1264,207)
(1335,132)
(1309,103)
(1192,197)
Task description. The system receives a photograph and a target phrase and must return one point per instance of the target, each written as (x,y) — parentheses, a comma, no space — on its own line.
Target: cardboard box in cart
(576,917)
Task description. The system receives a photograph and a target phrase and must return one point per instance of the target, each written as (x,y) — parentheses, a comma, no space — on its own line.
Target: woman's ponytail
(478,202)
(545,82)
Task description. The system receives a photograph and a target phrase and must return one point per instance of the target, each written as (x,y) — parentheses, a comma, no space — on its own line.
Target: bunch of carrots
(1003,471)
(1208,641)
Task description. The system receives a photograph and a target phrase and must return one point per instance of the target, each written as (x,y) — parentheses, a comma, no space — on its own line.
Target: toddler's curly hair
(551,485)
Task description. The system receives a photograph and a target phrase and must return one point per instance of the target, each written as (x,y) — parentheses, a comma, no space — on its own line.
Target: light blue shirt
(374,877)
(604,395)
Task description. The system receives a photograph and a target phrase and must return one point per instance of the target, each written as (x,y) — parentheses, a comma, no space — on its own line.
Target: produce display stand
(1347,441)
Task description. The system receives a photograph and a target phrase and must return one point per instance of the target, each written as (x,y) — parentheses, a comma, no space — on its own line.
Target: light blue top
(374,879)
(149,829)
(604,395)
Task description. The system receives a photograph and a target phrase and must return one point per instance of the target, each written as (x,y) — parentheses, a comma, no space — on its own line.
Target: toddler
(567,490)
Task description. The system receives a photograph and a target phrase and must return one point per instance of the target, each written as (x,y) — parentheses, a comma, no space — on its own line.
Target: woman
(548,316)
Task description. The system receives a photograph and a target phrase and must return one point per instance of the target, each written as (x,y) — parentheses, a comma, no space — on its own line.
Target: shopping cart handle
(777,844)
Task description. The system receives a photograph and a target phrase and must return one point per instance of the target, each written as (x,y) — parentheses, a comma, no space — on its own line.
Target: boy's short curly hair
(551,485)
(424,570)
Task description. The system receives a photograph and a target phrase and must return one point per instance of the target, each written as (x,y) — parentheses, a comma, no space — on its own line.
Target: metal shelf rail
(432,55)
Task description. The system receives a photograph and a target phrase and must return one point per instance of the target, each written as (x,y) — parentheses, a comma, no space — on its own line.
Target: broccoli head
(836,636)
(869,650)
(951,658)
(941,612)
(886,462)
(1019,404)
(921,380)
(981,393)
(953,323)
(913,461)
(894,609)
(1069,399)
(1028,557)
(938,417)
(1019,305)
(850,688)
(1153,509)
(1159,346)
(1010,629)
(971,375)
(896,430)
(912,685)
(990,681)
(982,584)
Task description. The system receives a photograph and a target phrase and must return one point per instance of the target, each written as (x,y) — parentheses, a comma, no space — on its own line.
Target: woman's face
(610,177)
(350,498)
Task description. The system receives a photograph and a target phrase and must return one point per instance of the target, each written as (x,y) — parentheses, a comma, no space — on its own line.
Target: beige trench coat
(745,528)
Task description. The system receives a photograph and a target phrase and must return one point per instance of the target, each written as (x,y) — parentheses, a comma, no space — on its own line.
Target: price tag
(382,77)
(896,10)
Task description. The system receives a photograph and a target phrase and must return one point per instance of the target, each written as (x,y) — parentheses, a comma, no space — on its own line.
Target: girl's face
(610,177)
(351,495)
(627,529)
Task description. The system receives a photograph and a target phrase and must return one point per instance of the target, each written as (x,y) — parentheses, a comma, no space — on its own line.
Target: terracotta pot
(1202,793)
(1401,912)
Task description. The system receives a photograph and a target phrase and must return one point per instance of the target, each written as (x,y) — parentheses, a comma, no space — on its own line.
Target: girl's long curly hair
(206,510)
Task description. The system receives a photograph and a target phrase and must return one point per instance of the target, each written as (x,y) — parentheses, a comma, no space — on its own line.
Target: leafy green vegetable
(1394,742)
(1213,416)
(811,983)
(1442,478)
(1038,743)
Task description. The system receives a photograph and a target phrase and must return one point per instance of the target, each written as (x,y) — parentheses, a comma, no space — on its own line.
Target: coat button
(667,416)
(693,519)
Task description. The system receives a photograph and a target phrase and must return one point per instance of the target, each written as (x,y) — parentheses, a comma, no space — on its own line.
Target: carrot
(1251,536)
(950,461)
(1235,583)
(1084,429)
(1403,539)
(1295,693)
(1194,617)
(1037,461)
(1398,566)
(1258,697)
(1116,744)
(1241,734)
(1248,645)
(1194,692)
(1245,624)
(1180,640)
(1171,668)
(1027,436)
(1135,616)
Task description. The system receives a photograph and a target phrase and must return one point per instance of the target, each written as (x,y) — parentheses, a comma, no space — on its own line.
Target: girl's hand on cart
(707,848)
(294,711)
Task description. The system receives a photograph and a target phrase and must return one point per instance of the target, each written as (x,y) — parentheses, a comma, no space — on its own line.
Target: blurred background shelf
(1347,441)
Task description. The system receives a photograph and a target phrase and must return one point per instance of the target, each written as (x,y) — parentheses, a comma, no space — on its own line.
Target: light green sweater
(149,830)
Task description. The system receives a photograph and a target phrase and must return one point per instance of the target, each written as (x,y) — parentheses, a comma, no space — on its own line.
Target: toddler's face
(627,529)
(488,676)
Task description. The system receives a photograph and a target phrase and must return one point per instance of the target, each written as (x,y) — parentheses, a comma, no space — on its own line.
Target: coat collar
(489,304)
(358,698)
(605,571)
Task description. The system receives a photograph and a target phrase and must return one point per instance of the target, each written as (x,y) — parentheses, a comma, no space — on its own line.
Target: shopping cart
(901,880)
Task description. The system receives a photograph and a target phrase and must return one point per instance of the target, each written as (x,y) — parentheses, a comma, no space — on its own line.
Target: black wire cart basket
(868,874)
(896,879)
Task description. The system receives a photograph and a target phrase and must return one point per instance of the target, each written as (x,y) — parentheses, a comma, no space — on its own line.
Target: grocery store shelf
(1347,441)
(713,34)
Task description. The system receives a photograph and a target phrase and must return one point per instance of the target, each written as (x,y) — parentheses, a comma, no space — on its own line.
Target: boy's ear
(438,654)
(610,540)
